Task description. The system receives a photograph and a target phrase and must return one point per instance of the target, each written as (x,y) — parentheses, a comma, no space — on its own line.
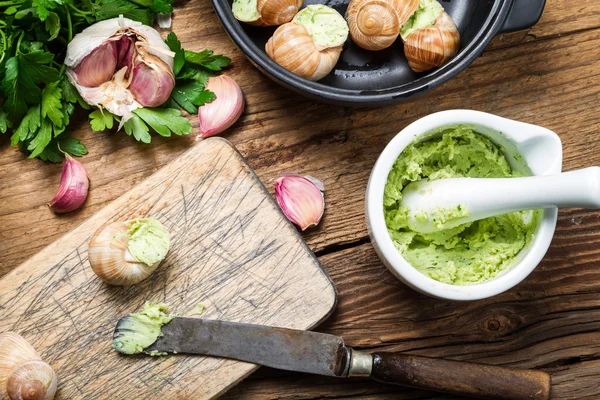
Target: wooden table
(549,75)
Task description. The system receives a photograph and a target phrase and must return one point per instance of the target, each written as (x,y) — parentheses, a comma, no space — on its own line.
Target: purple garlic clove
(98,66)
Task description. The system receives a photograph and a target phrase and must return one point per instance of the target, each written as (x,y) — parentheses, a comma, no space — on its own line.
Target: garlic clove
(301,199)
(73,188)
(126,53)
(31,380)
(110,256)
(151,84)
(219,115)
(98,66)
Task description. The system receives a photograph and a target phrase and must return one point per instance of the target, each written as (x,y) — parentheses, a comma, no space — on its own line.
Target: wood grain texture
(231,250)
(547,75)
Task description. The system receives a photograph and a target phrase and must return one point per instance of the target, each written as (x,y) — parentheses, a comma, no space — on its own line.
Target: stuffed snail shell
(311,44)
(127,252)
(265,12)
(431,37)
(23,374)
(375,24)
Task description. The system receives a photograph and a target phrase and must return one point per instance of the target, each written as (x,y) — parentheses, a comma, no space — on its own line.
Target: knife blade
(324,354)
(279,348)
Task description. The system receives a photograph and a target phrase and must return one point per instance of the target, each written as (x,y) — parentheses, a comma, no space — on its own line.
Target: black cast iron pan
(367,78)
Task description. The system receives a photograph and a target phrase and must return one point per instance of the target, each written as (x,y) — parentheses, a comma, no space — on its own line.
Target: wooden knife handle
(461,378)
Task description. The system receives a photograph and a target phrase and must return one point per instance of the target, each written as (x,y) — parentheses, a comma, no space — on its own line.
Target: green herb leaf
(207,59)
(197,74)
(52,25)
(175,46)
(136,127)
(71,95)
(51,104)
(190,95)
(158,6)
(67,144)
(101,120)
(22,74)
(41,140)
(113,8)
(42,7)
(28,126)
(165,120)
(5,123)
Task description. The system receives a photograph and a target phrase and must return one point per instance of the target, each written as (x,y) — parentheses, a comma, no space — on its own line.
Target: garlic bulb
(120,65)
(311,44)
(126,253)
(375,24)
(265,12)
(301,199)
(73,187)
(433,46)
(23,374)
(220,114)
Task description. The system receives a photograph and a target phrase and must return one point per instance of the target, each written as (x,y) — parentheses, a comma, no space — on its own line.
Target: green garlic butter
(326,26)
(469,253)
(148,240)
(425,15)
(138,331)
(245,10)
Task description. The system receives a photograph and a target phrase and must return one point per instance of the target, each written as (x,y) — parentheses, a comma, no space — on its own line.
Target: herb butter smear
(324,25)
(472,252)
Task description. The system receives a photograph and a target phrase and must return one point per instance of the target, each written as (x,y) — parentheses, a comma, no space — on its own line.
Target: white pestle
(481,198)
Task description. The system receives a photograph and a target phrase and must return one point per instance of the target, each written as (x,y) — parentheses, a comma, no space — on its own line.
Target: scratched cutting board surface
(231,250)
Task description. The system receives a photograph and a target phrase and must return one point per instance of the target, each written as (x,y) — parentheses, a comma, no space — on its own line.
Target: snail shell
(110,259)
(375,24)
(433,46)
(277,12)
(292,47)
(272,12)
(23,374)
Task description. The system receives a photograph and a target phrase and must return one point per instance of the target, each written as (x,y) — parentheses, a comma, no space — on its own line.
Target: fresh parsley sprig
(37,100)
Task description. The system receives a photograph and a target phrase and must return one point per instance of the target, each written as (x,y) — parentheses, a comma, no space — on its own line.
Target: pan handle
(523,14)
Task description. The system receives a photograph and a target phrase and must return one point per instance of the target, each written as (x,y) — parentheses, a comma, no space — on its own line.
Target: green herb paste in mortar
(469,253)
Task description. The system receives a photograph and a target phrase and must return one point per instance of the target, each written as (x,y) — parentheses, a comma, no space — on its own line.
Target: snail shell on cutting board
(375,24)
(23,374)
(111,260)
(433,46)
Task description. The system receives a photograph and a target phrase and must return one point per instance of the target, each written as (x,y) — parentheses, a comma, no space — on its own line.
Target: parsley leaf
(113,8)
(175,46)
(206,59)
(4,122)
(41,140)
(101,120)
(43,7)
(23,73)
(28,126)
(52,25)
(158,6)
(138,128)
(165,120)
(51,104)
(69,145)
(191,95)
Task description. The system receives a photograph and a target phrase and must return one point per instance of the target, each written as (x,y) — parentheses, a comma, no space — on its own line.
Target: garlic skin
(111,260)
(310,56)
(223,112)
(120,65)
(23,374)
(301,199)
(73,188)
(375,24)
(434,46)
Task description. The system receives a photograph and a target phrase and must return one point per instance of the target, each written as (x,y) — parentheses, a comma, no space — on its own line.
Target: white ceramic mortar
(531,149)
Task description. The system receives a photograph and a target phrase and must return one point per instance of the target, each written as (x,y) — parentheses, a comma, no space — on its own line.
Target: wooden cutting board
(231,250)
